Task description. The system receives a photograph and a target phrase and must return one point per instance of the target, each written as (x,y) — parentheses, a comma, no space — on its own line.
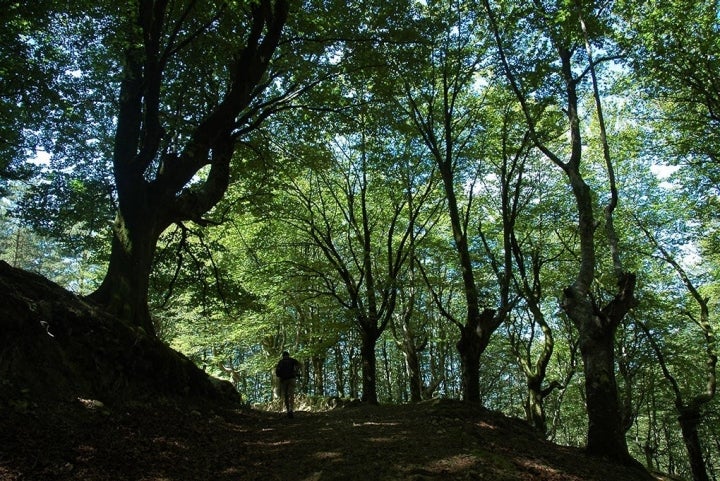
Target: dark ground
(446,440)
(159,418)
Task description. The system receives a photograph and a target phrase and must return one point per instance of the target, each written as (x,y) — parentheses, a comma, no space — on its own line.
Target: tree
(405,334)
(364,228)
(530,264)
(564,30)
(517,188)
(689,411)
(677,71)
(446,113)
(158,155)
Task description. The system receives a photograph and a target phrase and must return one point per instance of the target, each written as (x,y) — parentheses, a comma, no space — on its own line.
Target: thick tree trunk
(152,185)
(124,290)
(689,419)
(369,368)
(469,349)
(474,338)
(535,405)
(606,436)
(596,327)
(606,433)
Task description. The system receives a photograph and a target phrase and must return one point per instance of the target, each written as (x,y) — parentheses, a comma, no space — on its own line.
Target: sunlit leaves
(350,83)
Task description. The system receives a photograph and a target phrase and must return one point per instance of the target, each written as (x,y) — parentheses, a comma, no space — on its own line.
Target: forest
(508,203)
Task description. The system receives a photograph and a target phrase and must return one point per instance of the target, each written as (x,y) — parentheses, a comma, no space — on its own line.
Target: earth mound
(84,396)
(54,346)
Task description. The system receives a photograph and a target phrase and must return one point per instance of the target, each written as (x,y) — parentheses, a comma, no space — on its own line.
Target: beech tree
(678,72)
(564,31)
(362,218)
(446,114)
(534,254)
(158,155)
(689,408)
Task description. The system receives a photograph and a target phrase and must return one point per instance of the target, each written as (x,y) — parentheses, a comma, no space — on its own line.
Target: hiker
(287,370)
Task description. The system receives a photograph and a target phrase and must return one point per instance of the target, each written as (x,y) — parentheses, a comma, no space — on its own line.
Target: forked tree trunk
(153,185)
(412,366)
(596,326)
(535,412)
(474,338)
(605,427)
(606,433)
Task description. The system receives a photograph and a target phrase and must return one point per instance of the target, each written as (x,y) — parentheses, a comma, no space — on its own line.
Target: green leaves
(347,124)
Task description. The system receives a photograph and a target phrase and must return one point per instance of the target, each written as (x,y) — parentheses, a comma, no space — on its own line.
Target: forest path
(435,440)
(448,440)
(366,443)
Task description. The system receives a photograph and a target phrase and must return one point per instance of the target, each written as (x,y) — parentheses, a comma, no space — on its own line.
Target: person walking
(287,370)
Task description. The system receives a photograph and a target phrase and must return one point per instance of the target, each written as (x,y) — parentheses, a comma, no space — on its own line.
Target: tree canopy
(512,203)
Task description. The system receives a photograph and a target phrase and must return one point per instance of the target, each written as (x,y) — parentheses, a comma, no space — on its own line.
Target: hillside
(84,397)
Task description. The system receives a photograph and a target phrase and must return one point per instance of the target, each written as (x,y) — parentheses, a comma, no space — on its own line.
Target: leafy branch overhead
(512,203)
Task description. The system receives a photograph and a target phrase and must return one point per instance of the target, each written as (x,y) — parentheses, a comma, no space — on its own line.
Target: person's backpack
(286,369)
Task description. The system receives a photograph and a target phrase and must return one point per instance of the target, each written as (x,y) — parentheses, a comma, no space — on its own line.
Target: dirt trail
(445,440)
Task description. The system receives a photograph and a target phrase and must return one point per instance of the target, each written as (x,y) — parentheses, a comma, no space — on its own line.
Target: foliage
(335,192)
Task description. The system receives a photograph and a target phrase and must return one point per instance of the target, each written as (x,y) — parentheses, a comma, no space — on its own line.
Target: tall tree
(446,111)
(364,225)
(410,342)
(158,155)
(534,256)
(689,410)
(563,28)
(678,72)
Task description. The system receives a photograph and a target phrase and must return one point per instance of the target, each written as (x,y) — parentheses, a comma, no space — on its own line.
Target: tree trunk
(475,333)
(124,290)
(597,327)
(606,436)
(412,367)
(410,349)
(318,364)
(473,341)
(535,405)
(606,433)
(153,185)
(690,412)
(689,419)
(469,349)
(369,368)
(340,371)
